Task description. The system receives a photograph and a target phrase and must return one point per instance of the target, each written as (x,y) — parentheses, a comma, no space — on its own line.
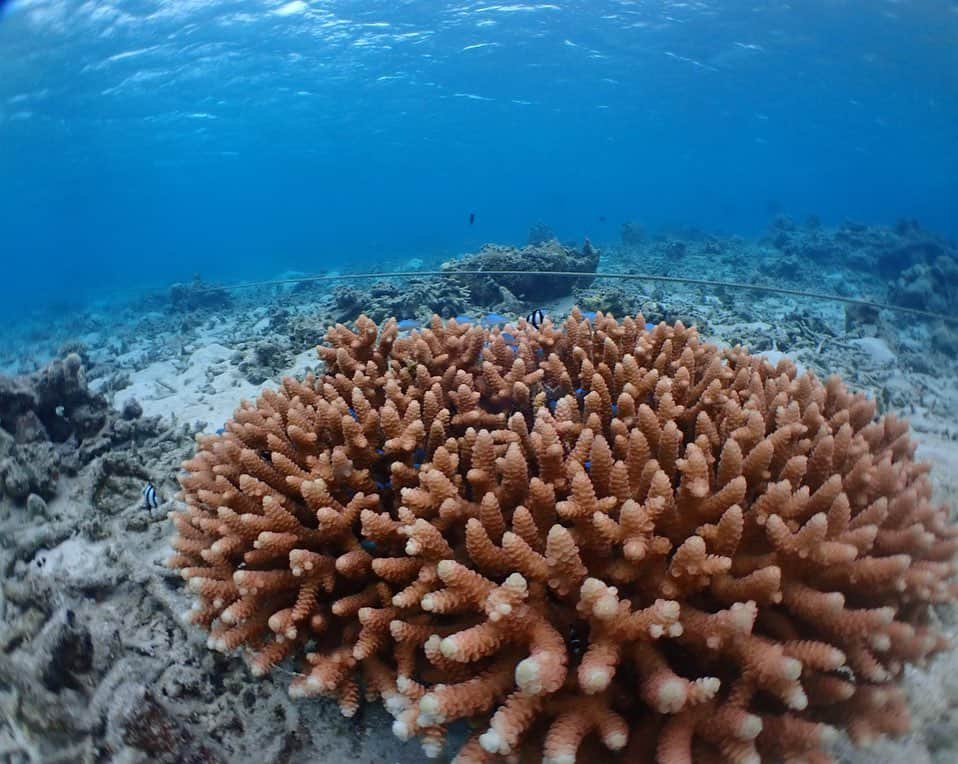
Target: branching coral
(584,538)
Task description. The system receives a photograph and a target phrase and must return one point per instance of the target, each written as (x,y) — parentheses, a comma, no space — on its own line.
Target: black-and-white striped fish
(150,498)
(536,318)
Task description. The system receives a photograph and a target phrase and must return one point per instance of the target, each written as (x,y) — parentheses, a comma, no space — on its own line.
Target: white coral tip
(606,607)
(880,642)
(671,695)
(429,704)
(529,676)
(615,741)
(516,582)
(449,647)
(596,680)
(829,735)
(797,699)
(491,742)
(791,668)
(750,727)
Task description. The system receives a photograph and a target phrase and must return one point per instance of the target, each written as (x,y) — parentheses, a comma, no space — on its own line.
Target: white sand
(207,388)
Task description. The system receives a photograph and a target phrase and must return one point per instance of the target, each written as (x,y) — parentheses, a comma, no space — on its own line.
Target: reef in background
(507,291)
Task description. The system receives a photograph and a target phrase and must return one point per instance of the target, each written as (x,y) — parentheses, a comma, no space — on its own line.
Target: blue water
(145,141)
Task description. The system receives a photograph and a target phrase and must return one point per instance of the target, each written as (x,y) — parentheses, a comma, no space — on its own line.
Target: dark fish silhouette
(601,218)
(472,218)
(536,318)
(150,499)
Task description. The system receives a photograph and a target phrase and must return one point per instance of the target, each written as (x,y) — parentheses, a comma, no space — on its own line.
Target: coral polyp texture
(586,539)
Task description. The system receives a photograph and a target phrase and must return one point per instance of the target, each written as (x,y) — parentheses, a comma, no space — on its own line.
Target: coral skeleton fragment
(596,539)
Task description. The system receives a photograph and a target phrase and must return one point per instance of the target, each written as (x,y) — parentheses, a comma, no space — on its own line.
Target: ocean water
(144,141)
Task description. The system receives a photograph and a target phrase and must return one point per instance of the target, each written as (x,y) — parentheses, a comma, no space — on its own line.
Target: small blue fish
(220,430)
(509,339)
(464,319)
(369,545)
(588,315)
(491,319)
(649,327)
(150,499)
(409,323)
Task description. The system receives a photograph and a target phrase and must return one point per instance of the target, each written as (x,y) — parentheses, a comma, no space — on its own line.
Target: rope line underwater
(627,276)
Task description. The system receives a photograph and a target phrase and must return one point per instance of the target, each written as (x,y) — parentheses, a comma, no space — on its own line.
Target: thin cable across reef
(593,540)
(625,276)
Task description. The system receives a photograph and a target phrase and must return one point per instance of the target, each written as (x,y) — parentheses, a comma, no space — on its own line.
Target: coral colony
(599,540)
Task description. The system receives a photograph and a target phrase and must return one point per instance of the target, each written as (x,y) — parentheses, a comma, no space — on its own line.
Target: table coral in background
(587,539)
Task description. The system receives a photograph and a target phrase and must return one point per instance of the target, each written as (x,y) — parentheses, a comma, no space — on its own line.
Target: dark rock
(944,339)
(29,428)
(533,288)
(858,317)
(895,259)
(16,397)
(15,480)
(932,287)
(153,730)
(198,295)
(131,409)
(788,267)
(71,654)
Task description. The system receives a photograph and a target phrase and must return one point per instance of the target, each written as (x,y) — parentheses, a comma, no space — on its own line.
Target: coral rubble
(51,422)
(415,297)
(586,538)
